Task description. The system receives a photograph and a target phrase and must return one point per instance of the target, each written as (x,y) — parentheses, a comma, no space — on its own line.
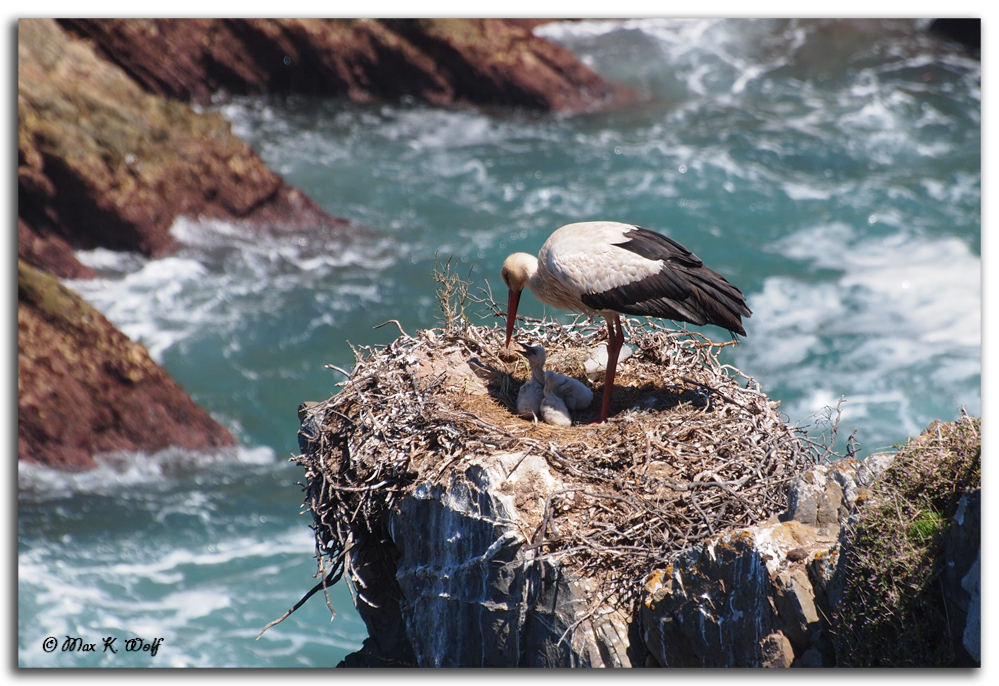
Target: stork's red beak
(511,314)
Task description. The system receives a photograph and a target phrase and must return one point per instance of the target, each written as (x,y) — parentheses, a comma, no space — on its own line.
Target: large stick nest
(694,447)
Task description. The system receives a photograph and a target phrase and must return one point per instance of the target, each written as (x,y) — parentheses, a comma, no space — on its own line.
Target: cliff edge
(473,537)
(104,163)
(874,563)
(693,528)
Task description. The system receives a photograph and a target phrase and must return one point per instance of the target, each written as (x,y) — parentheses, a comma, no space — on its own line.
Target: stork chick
(553,407)
(573,393)
(533,390)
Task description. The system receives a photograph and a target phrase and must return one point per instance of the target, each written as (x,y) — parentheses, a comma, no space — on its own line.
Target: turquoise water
(831,171)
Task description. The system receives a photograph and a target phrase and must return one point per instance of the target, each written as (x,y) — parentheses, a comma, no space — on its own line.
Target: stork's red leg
(615,339)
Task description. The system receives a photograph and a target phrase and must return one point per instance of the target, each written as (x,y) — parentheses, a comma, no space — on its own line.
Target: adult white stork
(609,268)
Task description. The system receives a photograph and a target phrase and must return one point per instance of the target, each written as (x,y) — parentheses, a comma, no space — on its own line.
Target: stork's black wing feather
(655,246)
(683,290)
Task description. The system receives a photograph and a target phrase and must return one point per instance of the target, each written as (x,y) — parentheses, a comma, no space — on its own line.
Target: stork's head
(534,354)
(518,270)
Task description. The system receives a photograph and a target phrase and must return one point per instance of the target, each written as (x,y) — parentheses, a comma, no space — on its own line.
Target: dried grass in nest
(694,447)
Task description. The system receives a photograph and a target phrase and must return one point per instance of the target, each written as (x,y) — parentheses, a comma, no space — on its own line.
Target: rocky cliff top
(694,448)
(693,528)
(481,62)
(104,163)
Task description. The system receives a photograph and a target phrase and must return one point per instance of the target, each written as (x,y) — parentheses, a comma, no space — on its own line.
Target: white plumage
(595,366)
(529,399)
(575,393)
(609,268)
(553,407)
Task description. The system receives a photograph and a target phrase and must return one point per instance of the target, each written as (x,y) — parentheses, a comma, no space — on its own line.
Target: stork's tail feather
(721,303)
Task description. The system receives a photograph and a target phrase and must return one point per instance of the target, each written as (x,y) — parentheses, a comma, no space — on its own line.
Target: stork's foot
(592,418)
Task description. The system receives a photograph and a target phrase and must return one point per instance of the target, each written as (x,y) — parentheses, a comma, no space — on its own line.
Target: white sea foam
(214,240)
(170,567)
(118,471)
(226,274)
(166,589)
(790,315)
(710,56)
(111,261)
(152,305)
(892,314)
(560,30)
(668,30)
(426,129)
(803,191)
(917,287)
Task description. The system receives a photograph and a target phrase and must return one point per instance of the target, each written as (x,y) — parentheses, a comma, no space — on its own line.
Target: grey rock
(471,592)
(972,636)
(763,596)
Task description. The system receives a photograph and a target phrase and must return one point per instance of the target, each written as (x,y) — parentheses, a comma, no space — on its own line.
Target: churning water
(831,170)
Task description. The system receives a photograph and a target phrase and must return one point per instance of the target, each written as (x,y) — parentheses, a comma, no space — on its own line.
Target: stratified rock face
(452,583)
(963,573)
(491,62)
(84,388)
(494,62)
(102,163)
(770,595)
(698,615)
(747,598)
(471,596)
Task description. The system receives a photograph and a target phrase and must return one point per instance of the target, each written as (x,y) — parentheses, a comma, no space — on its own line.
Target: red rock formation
(496,62)
(441,61)
(103,163)
(84,388)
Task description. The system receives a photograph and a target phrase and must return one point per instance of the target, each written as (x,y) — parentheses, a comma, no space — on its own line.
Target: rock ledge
(477,538)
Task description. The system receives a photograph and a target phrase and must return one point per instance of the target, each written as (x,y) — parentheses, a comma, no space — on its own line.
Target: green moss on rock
(893,612)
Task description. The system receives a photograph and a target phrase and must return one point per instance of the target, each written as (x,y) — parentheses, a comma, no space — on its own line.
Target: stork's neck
(537,370)
(533,281)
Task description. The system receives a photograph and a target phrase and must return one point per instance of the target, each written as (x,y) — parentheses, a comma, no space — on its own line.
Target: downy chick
(532,392)
(553,407)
